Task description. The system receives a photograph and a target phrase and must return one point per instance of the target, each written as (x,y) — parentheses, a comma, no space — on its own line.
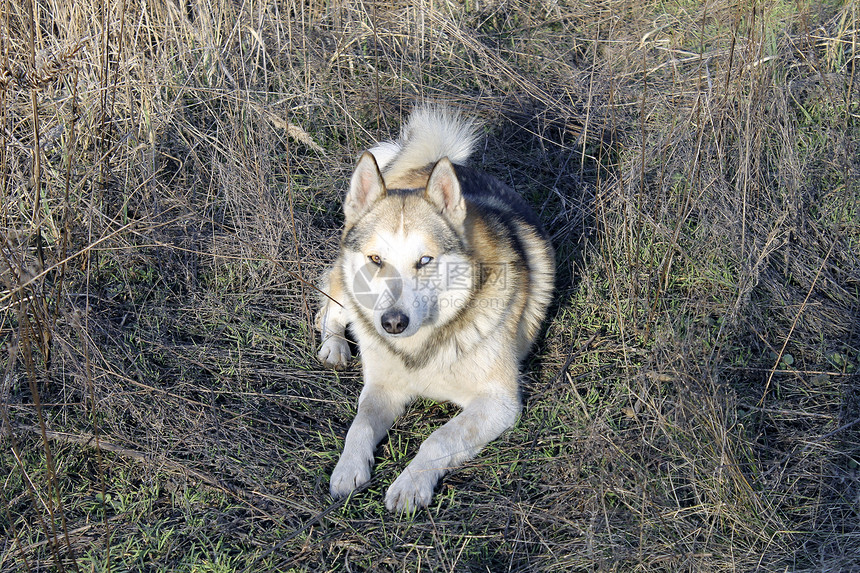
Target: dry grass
(171,185)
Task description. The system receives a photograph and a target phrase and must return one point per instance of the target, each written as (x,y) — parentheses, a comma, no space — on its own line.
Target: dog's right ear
(365,188)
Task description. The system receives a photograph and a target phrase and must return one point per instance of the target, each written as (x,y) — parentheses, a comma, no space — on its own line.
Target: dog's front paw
(334,352)
(410,491)
(348,474)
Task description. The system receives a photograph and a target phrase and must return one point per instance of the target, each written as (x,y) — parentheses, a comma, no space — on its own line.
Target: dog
(444,277)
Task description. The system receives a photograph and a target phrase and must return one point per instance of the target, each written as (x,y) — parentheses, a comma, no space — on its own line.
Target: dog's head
(405,250)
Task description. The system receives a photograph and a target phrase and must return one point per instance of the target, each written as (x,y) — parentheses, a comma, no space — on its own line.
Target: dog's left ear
(365,188)
(443,191)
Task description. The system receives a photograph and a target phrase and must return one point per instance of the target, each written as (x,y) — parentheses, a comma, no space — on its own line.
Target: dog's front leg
(331,322)
(377,409)
(480,422)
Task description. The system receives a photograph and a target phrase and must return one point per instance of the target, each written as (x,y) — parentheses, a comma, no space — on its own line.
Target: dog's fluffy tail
(431,133)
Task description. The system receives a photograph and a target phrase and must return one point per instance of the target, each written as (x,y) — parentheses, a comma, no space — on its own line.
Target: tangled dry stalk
(171,184)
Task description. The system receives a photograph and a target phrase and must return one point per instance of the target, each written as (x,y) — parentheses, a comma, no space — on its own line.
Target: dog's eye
(375,259)
(424,261)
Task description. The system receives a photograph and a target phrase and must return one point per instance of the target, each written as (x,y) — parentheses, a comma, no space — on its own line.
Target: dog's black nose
(394,321)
